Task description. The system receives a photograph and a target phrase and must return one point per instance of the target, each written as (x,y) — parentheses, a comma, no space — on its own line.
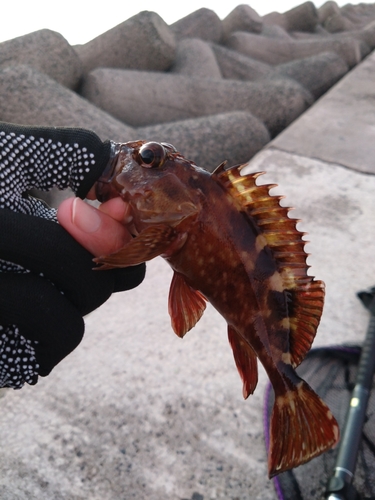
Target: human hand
(101,231)
(47,282)
(42,311)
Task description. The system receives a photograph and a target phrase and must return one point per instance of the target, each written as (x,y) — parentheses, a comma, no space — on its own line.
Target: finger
(94,229)
(117,209)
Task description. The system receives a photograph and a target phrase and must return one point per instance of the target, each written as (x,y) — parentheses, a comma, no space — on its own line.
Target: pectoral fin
(153,241)
(246,361)
(185,305)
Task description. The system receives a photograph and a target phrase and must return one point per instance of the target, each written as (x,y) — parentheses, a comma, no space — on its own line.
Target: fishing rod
(340,486)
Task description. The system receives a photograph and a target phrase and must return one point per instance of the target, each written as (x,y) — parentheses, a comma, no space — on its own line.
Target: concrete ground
(136,412)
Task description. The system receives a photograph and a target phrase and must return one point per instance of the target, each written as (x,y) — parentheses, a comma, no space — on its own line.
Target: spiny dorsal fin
(219,168)
(285,240)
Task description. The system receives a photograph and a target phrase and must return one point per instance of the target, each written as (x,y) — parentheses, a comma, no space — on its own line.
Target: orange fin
(246,362)
(285,241)
(302,427)
(185,305)
(150,243)
(304,318)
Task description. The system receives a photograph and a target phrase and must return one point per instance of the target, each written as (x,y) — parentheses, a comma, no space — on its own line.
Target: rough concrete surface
(304,17)
(138,100)
(241,136)
(48,52)
(203,23)
(236,66)
(278,51)
(345,115)
(142,42)
(134,411)
(33,98)
(242,18)
(146,43)
(317,73)
(195,57)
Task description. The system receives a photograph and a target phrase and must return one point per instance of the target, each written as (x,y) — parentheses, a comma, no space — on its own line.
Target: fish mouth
(103,186)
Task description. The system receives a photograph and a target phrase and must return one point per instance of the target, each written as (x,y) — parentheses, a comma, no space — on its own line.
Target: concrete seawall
(134,411)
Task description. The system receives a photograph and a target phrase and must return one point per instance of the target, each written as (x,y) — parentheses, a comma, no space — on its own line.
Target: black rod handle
(340,485)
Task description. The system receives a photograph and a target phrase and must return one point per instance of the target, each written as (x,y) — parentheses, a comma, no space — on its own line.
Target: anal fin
(185,305)
(246,361)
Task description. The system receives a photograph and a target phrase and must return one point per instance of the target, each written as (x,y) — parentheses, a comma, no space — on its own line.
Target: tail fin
(302,427)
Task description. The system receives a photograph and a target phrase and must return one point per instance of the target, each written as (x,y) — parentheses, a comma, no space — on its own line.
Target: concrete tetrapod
(33,98)
(48,52)
(144,42)
(141,98)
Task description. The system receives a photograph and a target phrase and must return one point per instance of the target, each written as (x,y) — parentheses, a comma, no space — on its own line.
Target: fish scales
(230,242)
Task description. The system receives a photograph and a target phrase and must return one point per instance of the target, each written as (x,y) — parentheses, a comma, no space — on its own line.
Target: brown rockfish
(230,242)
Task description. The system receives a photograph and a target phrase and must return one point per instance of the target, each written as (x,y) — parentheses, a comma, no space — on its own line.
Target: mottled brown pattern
(231,243)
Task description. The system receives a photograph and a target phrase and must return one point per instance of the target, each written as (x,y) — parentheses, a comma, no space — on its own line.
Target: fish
(232,244)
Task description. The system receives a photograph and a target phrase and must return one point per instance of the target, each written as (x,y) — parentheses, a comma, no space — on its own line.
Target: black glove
(49,309)
(48,283)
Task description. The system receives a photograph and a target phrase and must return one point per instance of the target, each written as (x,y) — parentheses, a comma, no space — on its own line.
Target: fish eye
(152,155)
